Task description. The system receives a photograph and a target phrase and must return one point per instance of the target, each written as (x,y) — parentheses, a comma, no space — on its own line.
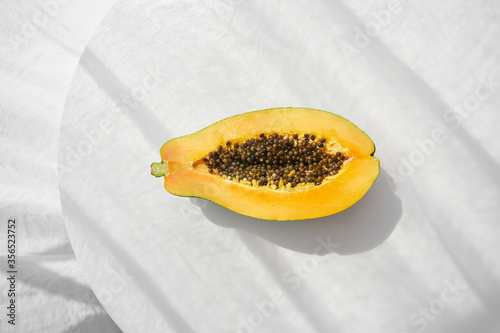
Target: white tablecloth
(40,45)
(418,253)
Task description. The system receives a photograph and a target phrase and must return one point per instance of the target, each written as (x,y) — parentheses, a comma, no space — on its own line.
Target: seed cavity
(275,160)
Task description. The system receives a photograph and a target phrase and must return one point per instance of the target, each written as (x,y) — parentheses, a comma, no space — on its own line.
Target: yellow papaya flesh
(187,163)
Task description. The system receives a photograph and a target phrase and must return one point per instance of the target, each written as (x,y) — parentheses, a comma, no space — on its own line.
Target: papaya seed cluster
(275,160)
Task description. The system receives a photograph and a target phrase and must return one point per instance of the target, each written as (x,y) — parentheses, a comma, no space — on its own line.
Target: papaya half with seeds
(274,164)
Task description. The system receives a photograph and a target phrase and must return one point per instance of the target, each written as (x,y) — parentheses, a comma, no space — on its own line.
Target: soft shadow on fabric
(359,228)
(122,258)
(97,322)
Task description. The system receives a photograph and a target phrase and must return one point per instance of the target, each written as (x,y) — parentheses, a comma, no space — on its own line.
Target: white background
(40,45)
(418,253)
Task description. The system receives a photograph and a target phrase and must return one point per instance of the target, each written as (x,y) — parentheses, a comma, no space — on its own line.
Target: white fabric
(418,253)
(40,44)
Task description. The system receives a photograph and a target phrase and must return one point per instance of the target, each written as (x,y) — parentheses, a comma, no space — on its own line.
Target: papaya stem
(159,169)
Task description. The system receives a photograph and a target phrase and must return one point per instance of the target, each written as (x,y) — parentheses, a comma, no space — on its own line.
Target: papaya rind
(333,196)
(194,146)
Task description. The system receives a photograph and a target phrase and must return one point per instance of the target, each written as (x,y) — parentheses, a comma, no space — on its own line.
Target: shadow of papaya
(360,228)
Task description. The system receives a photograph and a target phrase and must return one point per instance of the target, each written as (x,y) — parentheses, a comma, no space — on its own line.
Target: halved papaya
(274,164)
